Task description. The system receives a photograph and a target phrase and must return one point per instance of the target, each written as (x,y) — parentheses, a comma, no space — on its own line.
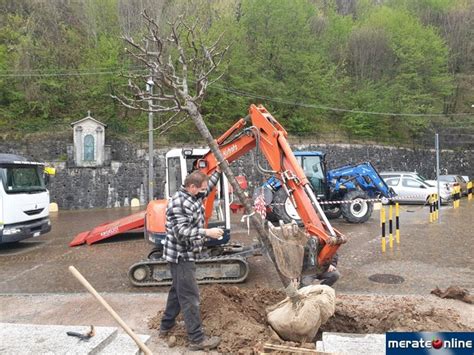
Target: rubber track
(217,259)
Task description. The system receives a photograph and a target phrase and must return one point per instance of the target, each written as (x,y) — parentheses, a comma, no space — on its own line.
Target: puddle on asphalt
(21,247)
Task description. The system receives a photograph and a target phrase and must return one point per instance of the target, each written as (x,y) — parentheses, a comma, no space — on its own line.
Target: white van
(24,199)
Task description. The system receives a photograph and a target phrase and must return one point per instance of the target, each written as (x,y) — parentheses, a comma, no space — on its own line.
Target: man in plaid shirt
(185,238)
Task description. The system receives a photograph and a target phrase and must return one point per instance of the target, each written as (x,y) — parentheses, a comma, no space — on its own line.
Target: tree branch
(189,61)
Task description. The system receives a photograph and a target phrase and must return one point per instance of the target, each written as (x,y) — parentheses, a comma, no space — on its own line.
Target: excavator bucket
(110,229)
(288,242)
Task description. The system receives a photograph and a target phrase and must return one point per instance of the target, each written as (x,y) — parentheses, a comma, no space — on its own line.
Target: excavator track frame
(148,271)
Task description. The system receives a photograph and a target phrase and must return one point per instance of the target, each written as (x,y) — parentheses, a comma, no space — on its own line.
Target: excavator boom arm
(267,135)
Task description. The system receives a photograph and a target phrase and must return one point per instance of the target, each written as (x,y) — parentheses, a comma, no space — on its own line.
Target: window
(407,182)
(388,176)
(447,178)
(392,181)
(23,179)
(89,148)
(219,204)
(312,166)
(313,170)
(174,175)
(419,177)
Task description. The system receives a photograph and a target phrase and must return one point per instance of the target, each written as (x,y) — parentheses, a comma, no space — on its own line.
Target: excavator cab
(219,264)
(179,163)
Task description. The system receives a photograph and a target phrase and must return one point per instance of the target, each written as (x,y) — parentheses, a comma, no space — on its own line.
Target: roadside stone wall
(127,175)
(396,158)
(383,158)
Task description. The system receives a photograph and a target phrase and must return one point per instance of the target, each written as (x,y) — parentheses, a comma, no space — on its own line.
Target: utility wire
(239,93)
(66,70)
(328,108)
(16,75)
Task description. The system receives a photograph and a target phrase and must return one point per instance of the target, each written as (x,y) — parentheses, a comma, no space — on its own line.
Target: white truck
(24,199)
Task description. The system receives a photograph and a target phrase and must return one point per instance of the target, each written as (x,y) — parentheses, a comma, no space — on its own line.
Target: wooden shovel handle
(119,320)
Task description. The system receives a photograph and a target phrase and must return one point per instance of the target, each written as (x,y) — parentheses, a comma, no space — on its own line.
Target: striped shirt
(185,233)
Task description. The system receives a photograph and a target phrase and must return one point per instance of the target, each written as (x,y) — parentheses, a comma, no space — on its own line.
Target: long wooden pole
(119,320)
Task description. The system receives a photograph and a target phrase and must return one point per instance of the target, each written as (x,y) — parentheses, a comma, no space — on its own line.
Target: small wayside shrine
(89,148)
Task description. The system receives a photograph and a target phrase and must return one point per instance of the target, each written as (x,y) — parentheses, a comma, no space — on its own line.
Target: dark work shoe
(165,332)
(208,343)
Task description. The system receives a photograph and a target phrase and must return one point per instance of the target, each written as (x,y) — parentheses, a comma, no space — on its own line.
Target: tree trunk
(195,115)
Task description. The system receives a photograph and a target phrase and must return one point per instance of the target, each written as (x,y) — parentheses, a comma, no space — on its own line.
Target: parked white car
(412,174)
(452,181)
(411,189)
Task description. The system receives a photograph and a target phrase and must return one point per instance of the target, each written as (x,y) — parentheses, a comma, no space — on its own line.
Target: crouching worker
(327,277)
(185,238)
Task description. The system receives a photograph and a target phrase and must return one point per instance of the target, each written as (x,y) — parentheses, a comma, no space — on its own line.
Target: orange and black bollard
(469,190)
(382,223)
(397,223)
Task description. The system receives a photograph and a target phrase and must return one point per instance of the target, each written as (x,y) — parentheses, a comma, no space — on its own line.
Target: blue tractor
(351,184)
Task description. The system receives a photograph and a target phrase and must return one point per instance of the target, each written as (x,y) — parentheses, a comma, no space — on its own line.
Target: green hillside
(383,71)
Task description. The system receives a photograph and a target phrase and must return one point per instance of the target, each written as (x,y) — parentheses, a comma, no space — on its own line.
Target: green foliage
(297,57)
(368,97)
(417,81)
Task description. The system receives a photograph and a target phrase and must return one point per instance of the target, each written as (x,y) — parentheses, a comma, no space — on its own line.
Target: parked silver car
(411,189)
(455,180)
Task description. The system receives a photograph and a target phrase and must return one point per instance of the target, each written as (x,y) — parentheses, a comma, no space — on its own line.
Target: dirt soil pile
(379,314)
(238,316)
(454,292)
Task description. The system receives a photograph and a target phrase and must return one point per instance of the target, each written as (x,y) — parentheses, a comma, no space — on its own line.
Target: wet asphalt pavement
(429,255)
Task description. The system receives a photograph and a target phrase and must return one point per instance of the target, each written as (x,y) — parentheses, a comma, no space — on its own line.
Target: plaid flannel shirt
(185,233)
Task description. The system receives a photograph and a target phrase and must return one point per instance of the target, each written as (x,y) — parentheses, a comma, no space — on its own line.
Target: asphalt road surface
(429,255)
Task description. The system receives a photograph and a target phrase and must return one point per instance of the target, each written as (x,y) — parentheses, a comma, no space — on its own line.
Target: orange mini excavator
(223,261)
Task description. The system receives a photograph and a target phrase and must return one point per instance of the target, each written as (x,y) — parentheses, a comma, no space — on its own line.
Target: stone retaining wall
(126,176)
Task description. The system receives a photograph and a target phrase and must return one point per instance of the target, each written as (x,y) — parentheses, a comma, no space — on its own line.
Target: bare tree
(369,54)
(129,13)
(182,66)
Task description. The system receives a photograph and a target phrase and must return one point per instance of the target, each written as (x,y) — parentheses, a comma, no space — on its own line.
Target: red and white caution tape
(384,200)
